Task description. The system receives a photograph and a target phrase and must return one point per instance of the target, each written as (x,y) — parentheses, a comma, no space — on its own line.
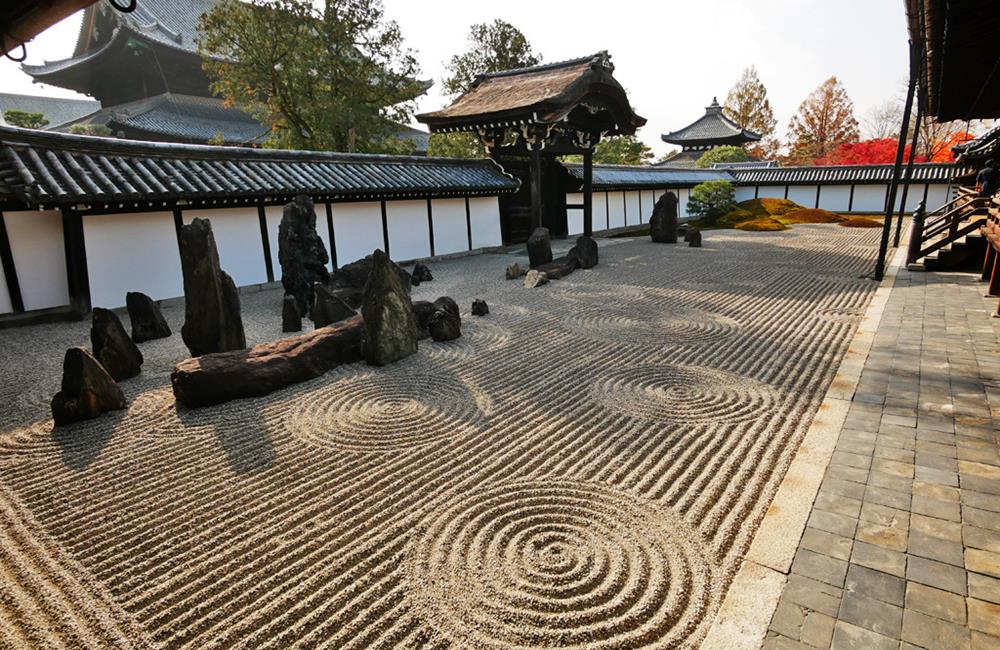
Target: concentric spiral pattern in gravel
(674,327)
(478,336)
(682,394)
(556,564)
(387,410)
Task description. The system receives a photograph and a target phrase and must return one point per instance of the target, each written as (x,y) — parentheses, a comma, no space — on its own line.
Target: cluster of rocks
(544,268)
(663,228)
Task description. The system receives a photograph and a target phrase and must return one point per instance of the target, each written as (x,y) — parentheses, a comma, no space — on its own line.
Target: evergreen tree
(24,119)
(825,120)
(723,154)
(337,77)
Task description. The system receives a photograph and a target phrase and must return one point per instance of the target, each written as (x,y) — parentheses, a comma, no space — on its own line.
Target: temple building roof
(45,168)
(541,95)
(982,148)
(57,110)
(712,129)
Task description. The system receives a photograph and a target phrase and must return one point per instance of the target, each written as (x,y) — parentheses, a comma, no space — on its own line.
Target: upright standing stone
(390,330)
(539,247)
(585,252)
(328,308)
(291,320)
(212,321)
(113,348)
(693,238)
(663,223)
(301,252)
(87,389)
(148,322)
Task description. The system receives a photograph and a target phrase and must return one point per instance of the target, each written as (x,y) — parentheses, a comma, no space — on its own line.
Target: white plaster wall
(574,217)
(131,252)
(484,213)
(913,196)
(36,242)
(937,195)
(5,304)
(683,195)
(237,237)
(451,231)
(804,195)
(772,192)
(358,230)
(409,237)
(744,193)
(836,198)
(869,198)
(632,216)
(600,216)
(616,209)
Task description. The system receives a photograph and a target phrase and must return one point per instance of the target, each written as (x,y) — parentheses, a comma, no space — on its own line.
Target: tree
(937,138)
(723,154)
(747,105)
(883,120)
(92,129)
(455,145)
(618,150)
(24,119)
(493,47)
(335,78)
(878,151)
(824,121)
(711,199)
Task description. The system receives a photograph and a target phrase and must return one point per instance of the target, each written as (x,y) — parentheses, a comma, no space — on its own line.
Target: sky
(672,56)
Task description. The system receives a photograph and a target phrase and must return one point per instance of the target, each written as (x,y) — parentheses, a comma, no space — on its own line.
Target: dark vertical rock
(663,223)
(328,308)
(479,307)
(539,247)
(585,252)
(291,320)
(212,321)
(113,348)
(87,389)
(693,238)
(301,252)
(148,322)
(390,328)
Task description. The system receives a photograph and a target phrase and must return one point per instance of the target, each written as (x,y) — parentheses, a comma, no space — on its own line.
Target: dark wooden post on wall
(908,175)
(536,188)
(588,193)
(77,277)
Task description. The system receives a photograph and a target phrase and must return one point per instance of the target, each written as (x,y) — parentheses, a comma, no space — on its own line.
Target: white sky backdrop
(672,56)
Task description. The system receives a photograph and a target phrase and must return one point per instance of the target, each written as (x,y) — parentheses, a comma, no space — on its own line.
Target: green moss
(761,224)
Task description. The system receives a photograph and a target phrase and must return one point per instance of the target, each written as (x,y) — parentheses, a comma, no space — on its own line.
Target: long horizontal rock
(223,376)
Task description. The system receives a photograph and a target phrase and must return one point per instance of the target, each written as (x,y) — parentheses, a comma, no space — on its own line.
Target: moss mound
(769,207)
(860,222)
(762,224)
(810,215)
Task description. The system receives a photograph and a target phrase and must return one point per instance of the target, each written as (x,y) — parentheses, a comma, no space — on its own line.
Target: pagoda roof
(46,168)
(180,118)
(57,110)
(711,128)
(542,94)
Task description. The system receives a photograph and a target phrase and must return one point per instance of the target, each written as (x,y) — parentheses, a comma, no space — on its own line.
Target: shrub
(723,154)
(91,129)
(711,199)
(860,222)
(810,215)
(761,224)
(25,119)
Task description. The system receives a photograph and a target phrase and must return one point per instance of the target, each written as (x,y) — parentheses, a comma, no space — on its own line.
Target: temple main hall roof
(711,129)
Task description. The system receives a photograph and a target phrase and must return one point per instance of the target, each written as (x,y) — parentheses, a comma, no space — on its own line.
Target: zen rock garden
(361,311)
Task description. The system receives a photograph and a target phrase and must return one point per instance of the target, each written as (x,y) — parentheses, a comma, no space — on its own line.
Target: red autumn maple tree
(866,152)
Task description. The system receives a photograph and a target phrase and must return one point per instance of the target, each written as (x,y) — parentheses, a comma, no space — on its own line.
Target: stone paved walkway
(902,547)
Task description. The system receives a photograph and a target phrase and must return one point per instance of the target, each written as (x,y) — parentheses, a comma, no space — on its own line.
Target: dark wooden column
(588,192)
(10,271)
(77,275)
(536,188)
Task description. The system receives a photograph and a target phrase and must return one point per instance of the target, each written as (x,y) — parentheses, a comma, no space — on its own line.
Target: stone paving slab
(901,547)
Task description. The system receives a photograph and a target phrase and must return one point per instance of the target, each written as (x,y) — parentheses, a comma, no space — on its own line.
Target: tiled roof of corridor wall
(620,177)
(41,168)
(842,174)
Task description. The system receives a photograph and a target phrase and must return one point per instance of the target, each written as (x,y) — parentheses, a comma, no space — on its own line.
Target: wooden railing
(964,214)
